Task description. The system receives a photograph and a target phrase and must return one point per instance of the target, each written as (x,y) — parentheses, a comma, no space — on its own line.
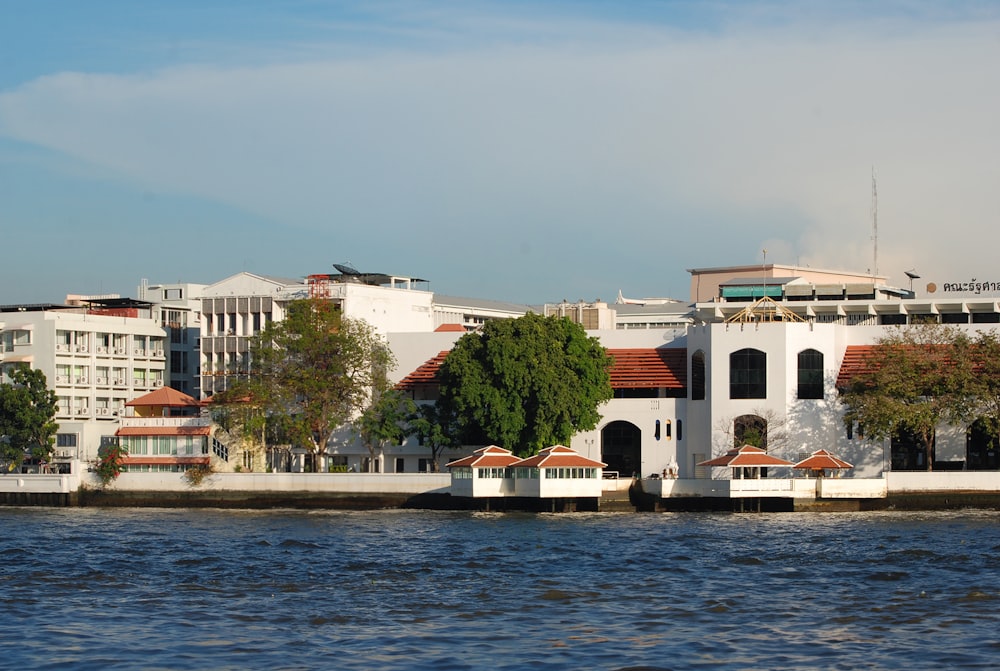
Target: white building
(686,394)
(95,356)
(178,308)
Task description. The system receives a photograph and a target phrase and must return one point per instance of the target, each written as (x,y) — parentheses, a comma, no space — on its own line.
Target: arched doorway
(982,451)
(621,447)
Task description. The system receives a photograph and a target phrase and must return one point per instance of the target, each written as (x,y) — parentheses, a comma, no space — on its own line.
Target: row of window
(748,374)
(108,343)
(526,473)
(167,446)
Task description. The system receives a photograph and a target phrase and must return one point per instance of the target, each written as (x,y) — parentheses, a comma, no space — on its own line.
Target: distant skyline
(521,151)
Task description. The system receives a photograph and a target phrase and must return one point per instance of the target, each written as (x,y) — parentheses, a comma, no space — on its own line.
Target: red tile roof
(426,373)
(490,456)
(746,456)
(636,368)
(857,361)
(649,368)
(166,397)
(450,328)
(862,360)
(822,459)
(558,456)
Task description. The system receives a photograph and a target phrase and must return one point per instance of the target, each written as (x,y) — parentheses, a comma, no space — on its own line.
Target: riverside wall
(365,491)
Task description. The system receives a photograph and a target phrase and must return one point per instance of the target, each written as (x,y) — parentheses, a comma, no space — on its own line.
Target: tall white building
(95,356)
(178,309)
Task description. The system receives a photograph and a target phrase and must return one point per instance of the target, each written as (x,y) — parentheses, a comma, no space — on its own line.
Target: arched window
(748,374)
(810,374)
(698,376)
(750,430)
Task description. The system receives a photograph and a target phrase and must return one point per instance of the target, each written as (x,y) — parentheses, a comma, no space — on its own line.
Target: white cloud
(644,149)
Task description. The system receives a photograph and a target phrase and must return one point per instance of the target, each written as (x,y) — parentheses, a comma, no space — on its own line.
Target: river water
(205,589)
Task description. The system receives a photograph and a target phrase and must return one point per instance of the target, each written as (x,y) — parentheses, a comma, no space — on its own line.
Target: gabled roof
(857,361)
(861,360)
(426,373)
(822,459)
(636,368)
(167,397)
(490,456)
(646,368)
(450,328)
(746,456)
(558,456)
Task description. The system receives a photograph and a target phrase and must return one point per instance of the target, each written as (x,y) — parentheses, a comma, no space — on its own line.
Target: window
(698,376)
(66,440)
(750,430)
(810,374)
(748,374)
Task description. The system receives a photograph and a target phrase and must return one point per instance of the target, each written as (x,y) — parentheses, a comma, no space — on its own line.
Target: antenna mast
(874,225)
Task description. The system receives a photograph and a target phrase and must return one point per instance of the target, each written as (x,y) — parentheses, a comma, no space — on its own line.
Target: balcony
(147,422)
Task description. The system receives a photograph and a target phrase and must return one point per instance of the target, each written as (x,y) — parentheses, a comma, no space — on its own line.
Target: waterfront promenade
(911,489)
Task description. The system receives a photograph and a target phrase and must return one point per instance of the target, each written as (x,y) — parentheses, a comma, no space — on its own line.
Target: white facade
(93,362)
(178,308)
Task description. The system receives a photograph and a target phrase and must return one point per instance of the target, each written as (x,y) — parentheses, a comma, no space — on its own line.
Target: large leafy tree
(27,412)
(916,379)
(435,428)
(384,421)
(986,381)
(315,370)
(525,383)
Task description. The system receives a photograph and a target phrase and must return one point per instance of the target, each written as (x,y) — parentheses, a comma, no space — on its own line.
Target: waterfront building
(761,354)
(97,353)
(177,306)
(164,431)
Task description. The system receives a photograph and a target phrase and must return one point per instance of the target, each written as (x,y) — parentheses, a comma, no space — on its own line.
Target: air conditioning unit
(159,352)
(81,411)
(81,348)
(119,381)
(158,383)
(119,350)
(102,380)
(60,379)
(138,352)
(61,348)
(81,380)
(101,350)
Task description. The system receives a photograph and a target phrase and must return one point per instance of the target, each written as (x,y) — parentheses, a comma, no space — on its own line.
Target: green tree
(383,422)
(27,412)
(525,383)
(986,381)
(435,429)
(315,370)
(916,379)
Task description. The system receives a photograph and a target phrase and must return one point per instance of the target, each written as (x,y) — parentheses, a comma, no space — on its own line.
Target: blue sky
(527,151)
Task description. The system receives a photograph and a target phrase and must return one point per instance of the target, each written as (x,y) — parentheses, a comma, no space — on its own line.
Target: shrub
(110,462)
